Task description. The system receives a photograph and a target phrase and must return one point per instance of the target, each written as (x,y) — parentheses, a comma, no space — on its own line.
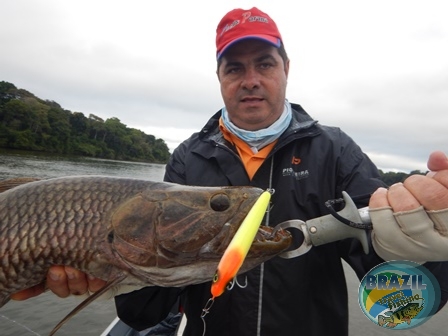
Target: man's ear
(287,68)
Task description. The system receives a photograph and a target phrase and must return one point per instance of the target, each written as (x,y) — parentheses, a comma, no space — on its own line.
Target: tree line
(394,177)
(30,123)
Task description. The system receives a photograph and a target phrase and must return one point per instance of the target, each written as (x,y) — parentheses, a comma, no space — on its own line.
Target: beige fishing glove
(415,235)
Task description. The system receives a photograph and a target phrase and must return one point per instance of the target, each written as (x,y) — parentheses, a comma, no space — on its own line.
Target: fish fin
(86,302)
(388,313)
(15,182)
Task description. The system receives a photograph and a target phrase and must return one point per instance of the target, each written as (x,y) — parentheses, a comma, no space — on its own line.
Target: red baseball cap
(240,24)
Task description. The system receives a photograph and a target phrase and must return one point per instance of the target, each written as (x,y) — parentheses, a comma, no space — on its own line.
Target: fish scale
(71,210)
(108,226)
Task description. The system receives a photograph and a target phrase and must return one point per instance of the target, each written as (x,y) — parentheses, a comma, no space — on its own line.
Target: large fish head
(176,234)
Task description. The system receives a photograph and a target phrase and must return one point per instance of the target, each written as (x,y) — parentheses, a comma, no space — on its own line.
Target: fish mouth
(269,241)
(269,234)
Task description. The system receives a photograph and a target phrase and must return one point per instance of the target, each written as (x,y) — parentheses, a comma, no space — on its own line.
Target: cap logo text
(230,26)
(246,17)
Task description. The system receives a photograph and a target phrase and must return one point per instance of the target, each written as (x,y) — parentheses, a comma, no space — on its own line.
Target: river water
(37,316)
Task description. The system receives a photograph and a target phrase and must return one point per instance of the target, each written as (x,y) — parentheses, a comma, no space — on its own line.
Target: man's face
(253,81)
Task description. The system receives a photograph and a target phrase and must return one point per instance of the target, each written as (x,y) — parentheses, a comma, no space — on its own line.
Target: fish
(124,231)
(401,315)
(239,246)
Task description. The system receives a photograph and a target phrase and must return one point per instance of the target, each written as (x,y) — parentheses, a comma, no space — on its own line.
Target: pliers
(350,222)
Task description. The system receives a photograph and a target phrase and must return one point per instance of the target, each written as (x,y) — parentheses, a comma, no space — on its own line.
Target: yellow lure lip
(239,246)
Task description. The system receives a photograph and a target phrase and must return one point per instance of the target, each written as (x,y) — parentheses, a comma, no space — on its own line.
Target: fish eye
(220,202)
(216,277)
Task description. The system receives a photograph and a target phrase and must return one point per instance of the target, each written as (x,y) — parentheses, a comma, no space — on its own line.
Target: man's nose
(251,79)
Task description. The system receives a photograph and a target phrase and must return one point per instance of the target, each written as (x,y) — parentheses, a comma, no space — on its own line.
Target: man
(260,139)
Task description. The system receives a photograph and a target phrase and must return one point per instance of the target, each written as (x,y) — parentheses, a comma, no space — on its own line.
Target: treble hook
(235,281)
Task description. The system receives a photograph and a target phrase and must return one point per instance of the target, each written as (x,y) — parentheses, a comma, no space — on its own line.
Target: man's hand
(410,219)
(62,281)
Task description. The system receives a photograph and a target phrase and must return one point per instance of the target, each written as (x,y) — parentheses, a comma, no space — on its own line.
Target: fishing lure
(237,250)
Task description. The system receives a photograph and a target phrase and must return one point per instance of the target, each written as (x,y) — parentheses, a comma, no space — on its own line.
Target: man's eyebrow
(233,63)
(266,57)
(262,58)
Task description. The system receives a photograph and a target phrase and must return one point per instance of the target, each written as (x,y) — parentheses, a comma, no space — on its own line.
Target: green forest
(394,177)
(30,123)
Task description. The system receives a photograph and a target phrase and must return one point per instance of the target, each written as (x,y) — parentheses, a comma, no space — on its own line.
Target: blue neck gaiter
(258,139)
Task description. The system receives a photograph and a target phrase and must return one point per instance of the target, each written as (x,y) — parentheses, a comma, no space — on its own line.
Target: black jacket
(301,296)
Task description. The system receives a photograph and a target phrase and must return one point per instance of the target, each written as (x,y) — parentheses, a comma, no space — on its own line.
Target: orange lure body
(236,252)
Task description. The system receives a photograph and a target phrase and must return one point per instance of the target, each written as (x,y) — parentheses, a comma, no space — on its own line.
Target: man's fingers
(441,177)
(57,281)
(379,199)
(77,281)
(29,292)
(401,199)
(62,281)
(429,192)
(397,197)
(95,284)
(65,280)
(437,161)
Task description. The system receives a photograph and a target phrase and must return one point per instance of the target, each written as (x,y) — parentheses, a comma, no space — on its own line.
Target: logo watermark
(399,295)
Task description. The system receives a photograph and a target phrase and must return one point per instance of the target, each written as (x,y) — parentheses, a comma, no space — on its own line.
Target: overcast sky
(377,69)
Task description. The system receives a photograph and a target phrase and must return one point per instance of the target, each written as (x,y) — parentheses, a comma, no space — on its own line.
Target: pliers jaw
(330,228)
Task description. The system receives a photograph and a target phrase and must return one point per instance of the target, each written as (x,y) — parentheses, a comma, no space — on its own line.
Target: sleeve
(146,307)
(175,169)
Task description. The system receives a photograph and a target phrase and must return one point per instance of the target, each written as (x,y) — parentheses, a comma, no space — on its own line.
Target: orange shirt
(250,160)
